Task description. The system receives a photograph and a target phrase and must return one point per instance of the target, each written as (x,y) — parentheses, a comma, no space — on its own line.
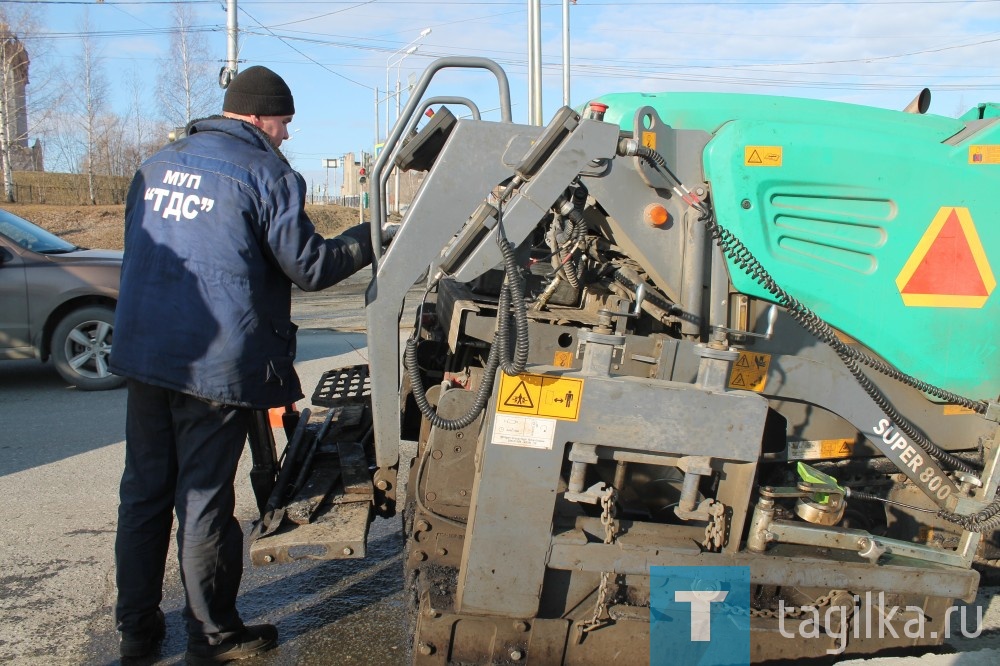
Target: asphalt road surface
(61,456)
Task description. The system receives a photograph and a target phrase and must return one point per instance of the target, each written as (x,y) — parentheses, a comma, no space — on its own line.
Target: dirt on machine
(711,362)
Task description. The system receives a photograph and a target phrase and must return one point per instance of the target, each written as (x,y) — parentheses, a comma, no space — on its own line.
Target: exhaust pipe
(920,103)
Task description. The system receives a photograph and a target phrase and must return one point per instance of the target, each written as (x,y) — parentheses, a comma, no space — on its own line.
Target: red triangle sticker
(948,268)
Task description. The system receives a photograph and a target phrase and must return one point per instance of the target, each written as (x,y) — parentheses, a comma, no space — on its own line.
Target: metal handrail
(377,183)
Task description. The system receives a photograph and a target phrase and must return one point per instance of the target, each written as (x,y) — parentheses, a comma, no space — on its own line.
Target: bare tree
(188,86)
(90,92)
(144,134)
(19,26)
(64,143)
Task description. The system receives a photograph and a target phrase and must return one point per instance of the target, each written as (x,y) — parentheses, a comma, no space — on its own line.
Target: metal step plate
(328,517)
(338,531)
(342,386)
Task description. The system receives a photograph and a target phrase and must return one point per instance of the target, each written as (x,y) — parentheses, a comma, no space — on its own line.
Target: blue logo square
(699,615)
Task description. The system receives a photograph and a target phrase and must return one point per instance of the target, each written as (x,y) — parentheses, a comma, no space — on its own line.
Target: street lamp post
(389,95)
(391,61)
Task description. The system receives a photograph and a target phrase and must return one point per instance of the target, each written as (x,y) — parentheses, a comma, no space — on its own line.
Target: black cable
(739,254)
(734,248)
(513,288)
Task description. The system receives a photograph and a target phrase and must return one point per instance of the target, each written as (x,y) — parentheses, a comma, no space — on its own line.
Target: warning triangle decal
(948,267)
(519,397)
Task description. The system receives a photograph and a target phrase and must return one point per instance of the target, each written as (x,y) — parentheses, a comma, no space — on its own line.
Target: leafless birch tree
(188,85)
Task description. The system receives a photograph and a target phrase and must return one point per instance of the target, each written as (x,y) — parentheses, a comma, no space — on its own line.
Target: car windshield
(30,237)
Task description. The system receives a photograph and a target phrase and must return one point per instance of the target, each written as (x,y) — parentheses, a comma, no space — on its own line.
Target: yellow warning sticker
(957,410)
(816,449)
(836,448)
(649,140)
(984,154)
(749,372)
(540,395)
(767,156)
(563,359)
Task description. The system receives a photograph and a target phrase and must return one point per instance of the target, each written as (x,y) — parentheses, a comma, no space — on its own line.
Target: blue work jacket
(215,236)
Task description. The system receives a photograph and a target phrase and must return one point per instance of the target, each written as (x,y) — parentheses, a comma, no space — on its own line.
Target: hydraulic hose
(986,520)
(739,254)
(567,266)
(420,395)
(734,248)
(499,356)
(513,290)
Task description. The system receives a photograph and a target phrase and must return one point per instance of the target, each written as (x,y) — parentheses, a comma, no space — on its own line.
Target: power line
(619,3)
(304,55)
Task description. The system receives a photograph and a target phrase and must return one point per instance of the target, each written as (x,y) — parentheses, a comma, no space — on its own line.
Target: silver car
(57,300)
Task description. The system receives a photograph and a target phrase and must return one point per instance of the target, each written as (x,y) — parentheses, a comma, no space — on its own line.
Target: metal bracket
(591,495)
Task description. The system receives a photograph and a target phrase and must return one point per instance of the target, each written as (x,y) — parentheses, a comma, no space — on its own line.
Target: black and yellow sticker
(749,371)
(540,395)
(984,154)
(762,156)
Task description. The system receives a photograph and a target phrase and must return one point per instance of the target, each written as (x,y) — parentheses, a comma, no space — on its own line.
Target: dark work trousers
(181,454)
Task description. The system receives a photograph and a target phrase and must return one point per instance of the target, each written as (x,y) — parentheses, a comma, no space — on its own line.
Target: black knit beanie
(257,91)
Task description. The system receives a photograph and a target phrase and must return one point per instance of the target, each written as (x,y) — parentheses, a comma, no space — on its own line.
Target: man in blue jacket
(215,236)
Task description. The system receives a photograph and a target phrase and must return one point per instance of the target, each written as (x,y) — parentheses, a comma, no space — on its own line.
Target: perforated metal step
(343,385)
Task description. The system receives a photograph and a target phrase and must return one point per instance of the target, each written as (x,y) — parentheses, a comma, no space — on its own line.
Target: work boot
(249,642)
(141,643)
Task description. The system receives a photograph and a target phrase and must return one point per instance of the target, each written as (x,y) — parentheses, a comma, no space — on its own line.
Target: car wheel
(81,346)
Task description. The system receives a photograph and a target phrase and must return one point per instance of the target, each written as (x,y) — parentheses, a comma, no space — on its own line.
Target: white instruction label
(528,431)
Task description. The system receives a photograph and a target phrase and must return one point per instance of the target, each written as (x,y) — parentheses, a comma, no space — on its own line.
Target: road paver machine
(672,329)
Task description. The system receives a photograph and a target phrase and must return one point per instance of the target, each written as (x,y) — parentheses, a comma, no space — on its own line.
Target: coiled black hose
(983,521)
(986,520)
(513,289)
(420,395)
(499,357)
(734,248)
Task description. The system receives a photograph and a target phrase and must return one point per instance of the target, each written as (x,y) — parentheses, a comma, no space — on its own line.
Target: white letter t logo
(701,616)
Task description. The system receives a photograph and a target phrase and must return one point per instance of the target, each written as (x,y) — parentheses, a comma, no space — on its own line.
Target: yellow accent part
(984,154)
(836,448)
(649,140)
(540,395)
(762,156)
(957,410)
(749,372)
(924,245)
(563,359)
(816,449)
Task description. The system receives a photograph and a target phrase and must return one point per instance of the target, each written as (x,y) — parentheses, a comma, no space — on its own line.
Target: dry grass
(67,189)
(102,227)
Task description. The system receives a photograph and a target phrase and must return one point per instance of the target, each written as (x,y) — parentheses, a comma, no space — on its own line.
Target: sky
(335,55)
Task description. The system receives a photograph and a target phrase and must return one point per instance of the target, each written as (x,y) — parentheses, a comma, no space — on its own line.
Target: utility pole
(535,62)
(232,46)
(565,51)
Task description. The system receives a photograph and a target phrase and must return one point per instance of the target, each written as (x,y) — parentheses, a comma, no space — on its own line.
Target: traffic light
(362,177)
